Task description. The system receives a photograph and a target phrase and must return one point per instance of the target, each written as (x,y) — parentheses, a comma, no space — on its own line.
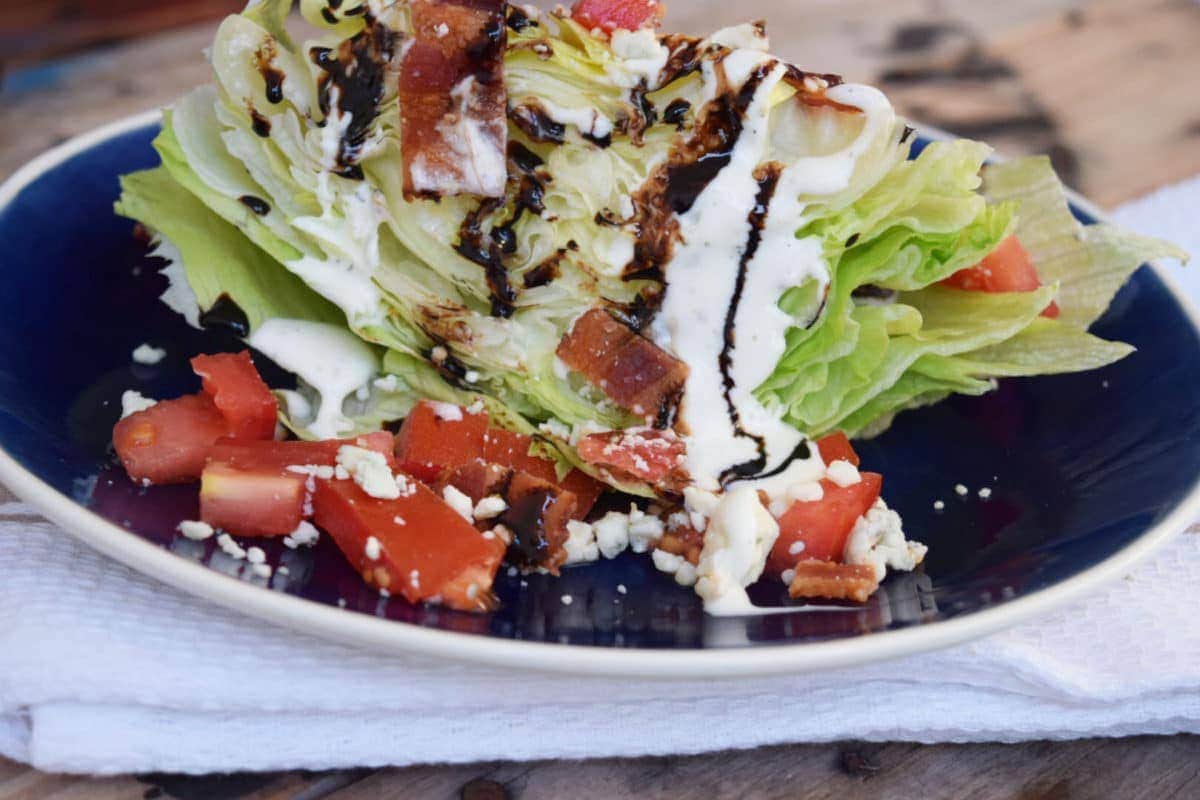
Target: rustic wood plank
(32,31)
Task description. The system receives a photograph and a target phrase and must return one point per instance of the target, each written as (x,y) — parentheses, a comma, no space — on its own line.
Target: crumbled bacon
(453,104)
(644,454)
(683,541)
(537,513)
(632,370)
(833,581)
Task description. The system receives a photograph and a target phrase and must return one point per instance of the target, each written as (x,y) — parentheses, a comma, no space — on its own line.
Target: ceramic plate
(1087,473)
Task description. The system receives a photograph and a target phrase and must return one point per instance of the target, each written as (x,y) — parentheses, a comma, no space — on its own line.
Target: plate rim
(405,638)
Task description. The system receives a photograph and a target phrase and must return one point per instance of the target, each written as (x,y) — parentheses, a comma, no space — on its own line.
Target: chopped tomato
(265,502)
(169,442)
(428,443)
(1008,268)
(240,394)
(423,548)
(836,447)
(824,525)
(643,453)
(587,491)
(610,15)
(257,454)
(258,488)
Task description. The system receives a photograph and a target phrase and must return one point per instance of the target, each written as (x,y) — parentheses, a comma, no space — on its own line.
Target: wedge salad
(558,285)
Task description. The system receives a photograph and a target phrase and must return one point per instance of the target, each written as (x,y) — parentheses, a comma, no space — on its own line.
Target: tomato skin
(823,525)
(427,444)
(251,503)
(610,15)
(644,453)
(169,442)
(239,393)
(247,488)
(447,552)
(1008,268)
(836,447)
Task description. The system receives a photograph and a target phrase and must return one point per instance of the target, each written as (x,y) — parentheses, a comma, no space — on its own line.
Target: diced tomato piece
(428,444)
(611,15)
(823,525)
(587,491)
(836,447)
(1008,268)
(426,549)
(264,502)
(239,392)
(169,442)
(630,369)
(258,454)
(643,453)
(512,450)
(247,487)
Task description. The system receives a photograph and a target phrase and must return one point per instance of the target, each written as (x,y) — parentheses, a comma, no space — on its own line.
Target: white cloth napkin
(103,671)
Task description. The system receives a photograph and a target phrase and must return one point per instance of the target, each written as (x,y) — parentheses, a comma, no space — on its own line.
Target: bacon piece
(639,453)
(685,541)
(537,513)
(815,578)
(453,104)
(632,370)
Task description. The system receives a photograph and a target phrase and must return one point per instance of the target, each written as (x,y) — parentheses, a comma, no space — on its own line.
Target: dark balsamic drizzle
(357,11)
(535,123)
(453,371)
(329,16)
(676,112)
(255,204)
(518,20)
(227,314)
(801,453)
(546,271)
(359,71)
(272,75)
(525,517)
(525,159)
(757,219)
(719,133)
(258,123)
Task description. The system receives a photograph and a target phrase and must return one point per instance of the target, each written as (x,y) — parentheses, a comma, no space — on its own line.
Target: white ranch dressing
(701,280)
(329,358)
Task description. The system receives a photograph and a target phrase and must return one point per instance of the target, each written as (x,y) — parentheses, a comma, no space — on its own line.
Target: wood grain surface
(1110,89)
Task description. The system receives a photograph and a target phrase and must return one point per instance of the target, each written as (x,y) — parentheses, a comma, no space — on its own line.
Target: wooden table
(1110,89)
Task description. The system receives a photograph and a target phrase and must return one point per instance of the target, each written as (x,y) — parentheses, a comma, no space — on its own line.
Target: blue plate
(1086,471)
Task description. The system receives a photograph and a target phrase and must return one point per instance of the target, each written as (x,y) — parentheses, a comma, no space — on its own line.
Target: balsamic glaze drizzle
(255,204)
(225,313)
(757,219)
